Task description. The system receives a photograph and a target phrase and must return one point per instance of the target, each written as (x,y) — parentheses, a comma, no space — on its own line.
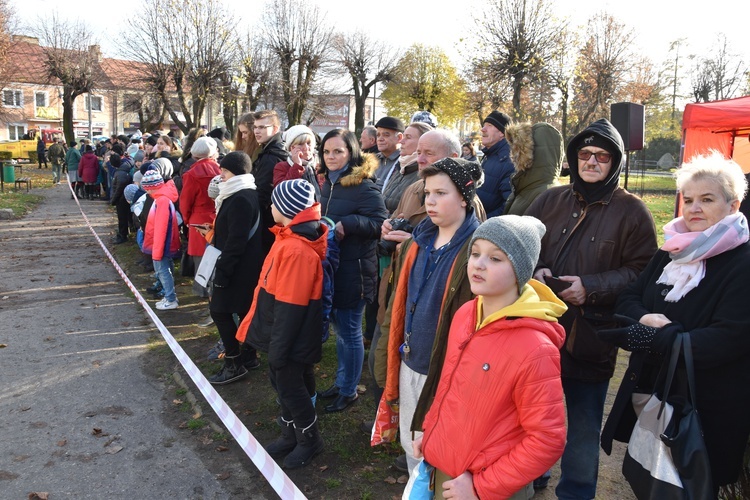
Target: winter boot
(249,358)
(286,443)
(230,372)
(309,444)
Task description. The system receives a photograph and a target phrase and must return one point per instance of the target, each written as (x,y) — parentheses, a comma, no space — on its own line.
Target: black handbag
(666,457)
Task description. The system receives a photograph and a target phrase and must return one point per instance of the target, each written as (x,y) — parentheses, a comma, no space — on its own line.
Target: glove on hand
(636,337)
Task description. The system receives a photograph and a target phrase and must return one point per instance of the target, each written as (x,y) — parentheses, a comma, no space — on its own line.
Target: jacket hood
(306,225)
(597,190)
(538,145)
(167,190)
(366,170)
(205,167)
(275,146)
(537,301)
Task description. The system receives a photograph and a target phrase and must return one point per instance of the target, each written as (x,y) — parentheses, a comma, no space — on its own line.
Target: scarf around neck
(229,187)
(689,251)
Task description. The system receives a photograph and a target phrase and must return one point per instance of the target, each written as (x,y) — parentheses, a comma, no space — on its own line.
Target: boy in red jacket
(498,418)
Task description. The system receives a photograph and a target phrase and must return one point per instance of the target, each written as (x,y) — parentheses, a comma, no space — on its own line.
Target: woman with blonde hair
(695,284)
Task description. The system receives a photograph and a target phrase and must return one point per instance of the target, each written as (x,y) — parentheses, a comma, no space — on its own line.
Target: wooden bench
(23,180)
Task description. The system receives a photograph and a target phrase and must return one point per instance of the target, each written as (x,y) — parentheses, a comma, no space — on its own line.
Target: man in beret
(497,165)
(390,132)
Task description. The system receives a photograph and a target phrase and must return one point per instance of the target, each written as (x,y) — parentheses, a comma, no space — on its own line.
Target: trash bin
(9,173)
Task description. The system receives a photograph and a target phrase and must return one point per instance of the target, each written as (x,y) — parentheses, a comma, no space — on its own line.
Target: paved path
(79,417)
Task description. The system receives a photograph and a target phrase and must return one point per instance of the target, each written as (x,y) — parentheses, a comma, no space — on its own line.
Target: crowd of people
(491,296)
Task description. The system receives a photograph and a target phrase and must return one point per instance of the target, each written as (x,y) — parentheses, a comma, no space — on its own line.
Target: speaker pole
(627,168)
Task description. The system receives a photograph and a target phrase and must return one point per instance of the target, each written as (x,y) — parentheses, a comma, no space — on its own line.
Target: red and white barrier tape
(275,476)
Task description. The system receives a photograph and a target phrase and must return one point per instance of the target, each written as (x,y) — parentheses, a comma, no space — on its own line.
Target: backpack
(330,265)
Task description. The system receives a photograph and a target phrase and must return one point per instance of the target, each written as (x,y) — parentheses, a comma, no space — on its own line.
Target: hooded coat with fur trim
(356,202)
(537,152)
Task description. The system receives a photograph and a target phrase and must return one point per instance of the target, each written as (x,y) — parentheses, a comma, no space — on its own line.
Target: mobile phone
(556,284)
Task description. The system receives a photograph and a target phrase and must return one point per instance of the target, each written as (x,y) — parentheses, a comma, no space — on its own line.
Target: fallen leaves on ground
(113,449)
(62,442)
(390,480)
(402,479)
(222,448)
(223,476)
(39,495)
(98,432)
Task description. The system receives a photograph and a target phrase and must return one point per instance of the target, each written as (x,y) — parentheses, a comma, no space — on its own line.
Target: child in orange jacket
(498,418)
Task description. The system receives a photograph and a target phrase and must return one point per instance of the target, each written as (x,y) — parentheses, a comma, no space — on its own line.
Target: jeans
(56,169)
(579,467)
(295,384)
(350,350)
(165,273)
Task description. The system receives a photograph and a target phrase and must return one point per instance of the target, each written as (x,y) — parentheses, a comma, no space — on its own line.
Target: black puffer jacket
(355,201)
(120,181)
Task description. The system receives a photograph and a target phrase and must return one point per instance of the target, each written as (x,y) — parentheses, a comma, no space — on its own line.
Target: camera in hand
(401,224)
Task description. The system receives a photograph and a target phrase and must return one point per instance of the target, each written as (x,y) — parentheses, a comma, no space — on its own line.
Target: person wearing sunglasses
(599,238)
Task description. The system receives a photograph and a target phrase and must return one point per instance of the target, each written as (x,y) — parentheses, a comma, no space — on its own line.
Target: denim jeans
(350,350)
(165,273)
(579,468)
(56,169)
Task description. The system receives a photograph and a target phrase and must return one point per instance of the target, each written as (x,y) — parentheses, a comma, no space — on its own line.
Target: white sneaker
(165,304)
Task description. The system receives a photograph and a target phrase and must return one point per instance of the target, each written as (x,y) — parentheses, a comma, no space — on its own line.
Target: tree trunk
(359,110)
(68,102)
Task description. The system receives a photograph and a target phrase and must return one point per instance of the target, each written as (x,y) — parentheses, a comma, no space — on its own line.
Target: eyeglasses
(261,127)
(601,156)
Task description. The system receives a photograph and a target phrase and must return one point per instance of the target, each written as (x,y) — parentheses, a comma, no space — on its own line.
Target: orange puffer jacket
(498,412)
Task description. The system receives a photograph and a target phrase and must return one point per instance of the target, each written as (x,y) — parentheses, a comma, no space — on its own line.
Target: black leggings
(227,331)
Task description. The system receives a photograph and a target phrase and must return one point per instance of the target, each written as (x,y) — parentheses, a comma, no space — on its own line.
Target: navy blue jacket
(498,169)
(356,202)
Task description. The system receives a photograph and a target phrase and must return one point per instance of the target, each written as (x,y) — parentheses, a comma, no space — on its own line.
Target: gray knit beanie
(519,237)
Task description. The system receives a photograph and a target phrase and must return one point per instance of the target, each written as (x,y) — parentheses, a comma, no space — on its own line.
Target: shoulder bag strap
(255,227)
(689,367)
(676,348)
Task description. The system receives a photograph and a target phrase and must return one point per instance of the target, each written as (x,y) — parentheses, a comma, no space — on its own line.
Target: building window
(96,103)
(12,98)
(40,99)
(15,132)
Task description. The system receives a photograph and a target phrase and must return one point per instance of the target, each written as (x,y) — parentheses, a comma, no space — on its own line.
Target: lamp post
(91,134)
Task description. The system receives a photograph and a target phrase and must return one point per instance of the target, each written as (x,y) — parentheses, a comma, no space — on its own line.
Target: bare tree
(601,68)
(485,92)
(367,61)
(149,107)
(187,47)
(72,58)
(299,36)
(520,35)
(719,75)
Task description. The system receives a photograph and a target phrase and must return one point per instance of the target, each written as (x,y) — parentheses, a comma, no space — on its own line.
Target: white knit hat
(294,132)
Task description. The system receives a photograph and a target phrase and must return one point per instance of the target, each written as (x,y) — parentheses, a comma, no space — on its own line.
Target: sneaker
(208,321)
(165,304)
(155,288)
(216,352)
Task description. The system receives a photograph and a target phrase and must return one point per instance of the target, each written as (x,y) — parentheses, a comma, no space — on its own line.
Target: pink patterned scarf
(689,251)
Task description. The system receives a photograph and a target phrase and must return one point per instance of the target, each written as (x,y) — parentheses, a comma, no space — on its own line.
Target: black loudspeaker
(629,119)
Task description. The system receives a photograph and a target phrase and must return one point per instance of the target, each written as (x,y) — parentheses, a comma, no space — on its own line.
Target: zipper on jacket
(362,289)
(330,195)
(265,278)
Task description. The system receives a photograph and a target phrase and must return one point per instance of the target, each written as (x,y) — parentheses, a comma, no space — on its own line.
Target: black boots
(309,444)
(286,443)
(230,372)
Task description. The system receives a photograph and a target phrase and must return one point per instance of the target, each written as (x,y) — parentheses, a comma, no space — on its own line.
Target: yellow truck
(20,149)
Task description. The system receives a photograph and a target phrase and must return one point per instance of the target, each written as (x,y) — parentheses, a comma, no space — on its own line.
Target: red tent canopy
(720,125)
